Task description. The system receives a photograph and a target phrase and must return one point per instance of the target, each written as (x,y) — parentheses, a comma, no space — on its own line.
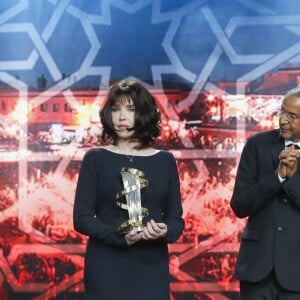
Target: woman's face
(123,118)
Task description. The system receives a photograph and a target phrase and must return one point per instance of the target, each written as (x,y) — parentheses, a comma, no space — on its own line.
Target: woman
(121,261)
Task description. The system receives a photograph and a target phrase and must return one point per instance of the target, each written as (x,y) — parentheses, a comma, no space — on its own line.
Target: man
(267,191)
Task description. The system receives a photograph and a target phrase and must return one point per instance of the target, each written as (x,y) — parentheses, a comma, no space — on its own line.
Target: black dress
(114,271)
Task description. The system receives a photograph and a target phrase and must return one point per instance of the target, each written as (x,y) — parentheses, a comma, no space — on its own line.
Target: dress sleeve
(173,216)
(84,211)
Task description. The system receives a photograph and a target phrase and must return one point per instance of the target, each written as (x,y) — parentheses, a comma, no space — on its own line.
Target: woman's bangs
(123,99)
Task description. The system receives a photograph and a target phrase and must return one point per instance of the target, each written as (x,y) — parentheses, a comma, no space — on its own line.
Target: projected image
(34,192)
(49,208)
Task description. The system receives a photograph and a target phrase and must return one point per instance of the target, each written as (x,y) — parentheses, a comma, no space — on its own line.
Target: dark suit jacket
(271,238)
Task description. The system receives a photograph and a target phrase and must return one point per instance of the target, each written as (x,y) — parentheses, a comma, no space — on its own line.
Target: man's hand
(288,162)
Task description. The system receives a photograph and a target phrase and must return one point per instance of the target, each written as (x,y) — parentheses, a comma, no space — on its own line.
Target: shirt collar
(289,142)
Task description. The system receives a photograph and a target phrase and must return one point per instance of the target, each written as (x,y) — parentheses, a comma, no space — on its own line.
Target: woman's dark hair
(147,116)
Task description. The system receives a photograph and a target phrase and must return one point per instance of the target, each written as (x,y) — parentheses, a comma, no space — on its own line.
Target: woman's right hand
(133,236)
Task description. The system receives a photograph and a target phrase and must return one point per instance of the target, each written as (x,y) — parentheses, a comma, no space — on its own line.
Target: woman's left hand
(153,230)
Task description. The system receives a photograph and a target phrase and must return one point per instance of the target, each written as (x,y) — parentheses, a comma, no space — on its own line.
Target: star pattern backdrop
(57,61)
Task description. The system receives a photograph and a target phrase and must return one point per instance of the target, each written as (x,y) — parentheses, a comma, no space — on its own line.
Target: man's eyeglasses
(290,116)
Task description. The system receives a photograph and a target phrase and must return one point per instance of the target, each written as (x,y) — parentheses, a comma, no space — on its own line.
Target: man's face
(289,121)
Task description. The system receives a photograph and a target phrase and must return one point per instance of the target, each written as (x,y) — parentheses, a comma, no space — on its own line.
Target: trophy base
(129,225)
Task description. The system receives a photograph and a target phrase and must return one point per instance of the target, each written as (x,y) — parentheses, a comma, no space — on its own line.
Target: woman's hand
(153,230)
(133,236)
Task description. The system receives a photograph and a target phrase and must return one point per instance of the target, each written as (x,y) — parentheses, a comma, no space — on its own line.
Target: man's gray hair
(294,92)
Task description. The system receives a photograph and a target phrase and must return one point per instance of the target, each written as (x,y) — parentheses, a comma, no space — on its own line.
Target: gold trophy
(133,181)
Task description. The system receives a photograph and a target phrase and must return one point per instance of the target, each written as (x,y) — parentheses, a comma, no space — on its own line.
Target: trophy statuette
(133,182)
